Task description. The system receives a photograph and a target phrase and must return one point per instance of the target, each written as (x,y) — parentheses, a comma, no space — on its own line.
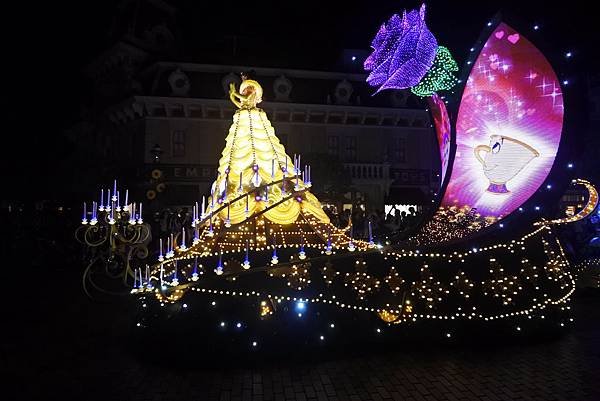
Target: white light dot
(254,343)
(536,27)
(213,303)
(322,338)
(222,324)
(238,325)
(353,58)
(379,330)
(332,325)
(185,305)
(138,325)
(448,335)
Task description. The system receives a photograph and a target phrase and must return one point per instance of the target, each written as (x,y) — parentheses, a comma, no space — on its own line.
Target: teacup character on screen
(504,158)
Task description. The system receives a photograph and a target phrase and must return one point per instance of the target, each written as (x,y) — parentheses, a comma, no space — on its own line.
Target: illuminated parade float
(261,259)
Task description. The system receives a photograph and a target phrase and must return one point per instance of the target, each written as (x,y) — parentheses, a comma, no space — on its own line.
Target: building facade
(165,122)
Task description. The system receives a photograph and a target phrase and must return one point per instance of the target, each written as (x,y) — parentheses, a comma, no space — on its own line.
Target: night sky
(47,45)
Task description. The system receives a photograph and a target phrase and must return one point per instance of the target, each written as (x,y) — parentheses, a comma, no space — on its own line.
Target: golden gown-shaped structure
(259,201)
(254,158)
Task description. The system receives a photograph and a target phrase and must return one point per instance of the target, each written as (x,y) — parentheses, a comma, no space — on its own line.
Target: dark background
(76,345)
(46,45)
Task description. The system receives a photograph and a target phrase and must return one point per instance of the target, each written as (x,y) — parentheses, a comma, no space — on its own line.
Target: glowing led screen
(439,113)
(508,127)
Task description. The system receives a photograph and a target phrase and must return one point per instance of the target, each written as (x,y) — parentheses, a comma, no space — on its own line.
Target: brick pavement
(77,350)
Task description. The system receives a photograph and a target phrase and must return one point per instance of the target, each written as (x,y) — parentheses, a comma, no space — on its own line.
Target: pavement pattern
(63,346)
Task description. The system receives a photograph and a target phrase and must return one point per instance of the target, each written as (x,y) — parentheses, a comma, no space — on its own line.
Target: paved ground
(66,348)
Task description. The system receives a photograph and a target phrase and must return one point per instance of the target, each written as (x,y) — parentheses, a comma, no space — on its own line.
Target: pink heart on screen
(493,57)
(514,38)
(500,34)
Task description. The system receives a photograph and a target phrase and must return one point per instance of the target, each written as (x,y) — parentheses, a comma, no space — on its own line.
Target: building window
(333,146)
(178,142)
(399,150)
(350,148)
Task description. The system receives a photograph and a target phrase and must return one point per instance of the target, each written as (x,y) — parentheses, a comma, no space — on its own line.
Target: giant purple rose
(403,52)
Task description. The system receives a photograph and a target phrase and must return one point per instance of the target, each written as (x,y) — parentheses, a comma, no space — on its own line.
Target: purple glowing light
(403,52)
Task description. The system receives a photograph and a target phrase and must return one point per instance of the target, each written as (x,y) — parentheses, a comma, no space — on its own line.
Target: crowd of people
(45,236)
(382,225)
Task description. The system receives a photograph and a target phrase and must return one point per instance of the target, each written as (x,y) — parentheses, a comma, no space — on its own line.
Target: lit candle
(111,219)
(94,210)
(298,168)
(84,218)
(183,247)
(126,199)
(247,204)
(272,168)
(196,234)
(241,188)
(107,200)
(203,199)
(160,249)
(140,219)
(101,199)
(135,279)
(196,210)
(147,274)
(286,163)
(161,275)
(132,214)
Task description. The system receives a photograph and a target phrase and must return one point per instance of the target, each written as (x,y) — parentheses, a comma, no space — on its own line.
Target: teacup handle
(478,150)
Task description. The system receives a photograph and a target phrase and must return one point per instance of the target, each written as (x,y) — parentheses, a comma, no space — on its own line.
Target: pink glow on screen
(508,128)
(442,129)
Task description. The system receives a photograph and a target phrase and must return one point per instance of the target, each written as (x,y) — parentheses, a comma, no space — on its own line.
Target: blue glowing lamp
(219,269)
(246,264)
(302,254)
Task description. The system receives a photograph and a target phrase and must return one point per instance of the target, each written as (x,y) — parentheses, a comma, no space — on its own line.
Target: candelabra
(116,240)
